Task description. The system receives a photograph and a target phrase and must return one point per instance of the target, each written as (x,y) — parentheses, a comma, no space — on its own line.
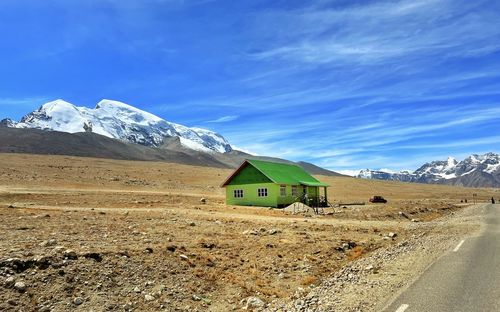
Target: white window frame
(238,193)
(295,190)
(283,190)
(262,192)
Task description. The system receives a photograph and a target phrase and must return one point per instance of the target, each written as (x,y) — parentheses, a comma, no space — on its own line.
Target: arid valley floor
(104,235)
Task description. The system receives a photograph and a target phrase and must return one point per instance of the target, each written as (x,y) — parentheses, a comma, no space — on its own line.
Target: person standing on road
(492,200)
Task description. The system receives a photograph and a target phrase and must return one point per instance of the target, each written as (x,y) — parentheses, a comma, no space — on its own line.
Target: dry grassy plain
(139,229)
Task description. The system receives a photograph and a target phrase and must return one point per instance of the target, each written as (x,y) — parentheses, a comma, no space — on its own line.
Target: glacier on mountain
(120,121)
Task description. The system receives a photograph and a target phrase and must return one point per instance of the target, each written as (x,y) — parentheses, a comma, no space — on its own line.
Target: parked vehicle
(378,199)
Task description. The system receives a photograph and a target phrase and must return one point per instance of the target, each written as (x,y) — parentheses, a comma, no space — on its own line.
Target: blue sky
(343,84)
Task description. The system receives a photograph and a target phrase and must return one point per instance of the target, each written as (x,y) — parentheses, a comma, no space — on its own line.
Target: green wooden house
(270,184)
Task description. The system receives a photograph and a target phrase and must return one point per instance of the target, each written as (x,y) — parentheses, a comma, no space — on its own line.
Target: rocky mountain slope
(473,171)
(88,144)
(120,121)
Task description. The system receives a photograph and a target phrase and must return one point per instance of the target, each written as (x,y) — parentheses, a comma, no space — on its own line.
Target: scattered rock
(42,262)
(250,232)
(44,308)
(47,243)
(192,224)
(404,214)
(78,300)
(171,248)
(11,206)
(137,290)
(203,200)
(346,246)
(208,245)
(20,286)
(70,254)
(10,281)
(196,298)
(251,303)
(392,235)
(149,298)
(58,249)
(184,257)
(299,304)
(273,231)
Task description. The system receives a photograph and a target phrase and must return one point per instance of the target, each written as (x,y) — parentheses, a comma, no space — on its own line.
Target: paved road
(465,279)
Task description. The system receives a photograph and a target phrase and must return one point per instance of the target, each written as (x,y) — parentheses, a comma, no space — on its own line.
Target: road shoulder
(373,282)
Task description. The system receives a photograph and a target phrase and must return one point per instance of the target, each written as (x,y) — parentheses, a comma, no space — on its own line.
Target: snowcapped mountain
(437,170)
(403,176)
(474,171)
(120,121)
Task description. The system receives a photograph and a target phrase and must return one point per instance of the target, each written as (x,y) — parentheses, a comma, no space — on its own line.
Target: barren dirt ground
(104,235)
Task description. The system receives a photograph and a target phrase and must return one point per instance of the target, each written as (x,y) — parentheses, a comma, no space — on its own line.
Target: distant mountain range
(120,131)
(473,171)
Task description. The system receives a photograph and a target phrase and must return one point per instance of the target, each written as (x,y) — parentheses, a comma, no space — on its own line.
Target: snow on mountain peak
(56,104)
(121,121)
(451,161)
(439,171)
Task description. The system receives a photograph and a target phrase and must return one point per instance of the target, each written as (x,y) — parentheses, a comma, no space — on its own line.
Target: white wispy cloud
(382,31)
(224,119)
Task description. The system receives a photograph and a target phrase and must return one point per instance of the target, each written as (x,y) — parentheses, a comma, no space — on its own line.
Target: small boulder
(9,281)
(403,214)
(20,286)
(250,232)
(70,254)
(251,303)
(149,298)
(78,300)
(203,200)
(196,298)
(47,243)
(273,231)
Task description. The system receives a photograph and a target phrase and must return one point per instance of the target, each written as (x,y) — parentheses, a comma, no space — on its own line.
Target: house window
(282,190)
(294,190)
(238,193)
(262,192)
